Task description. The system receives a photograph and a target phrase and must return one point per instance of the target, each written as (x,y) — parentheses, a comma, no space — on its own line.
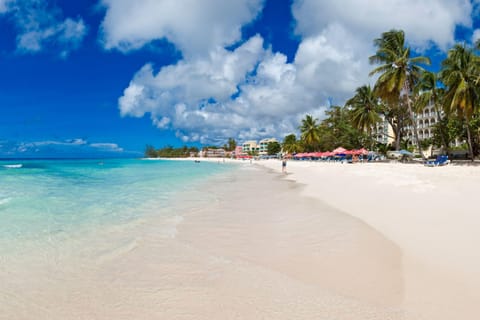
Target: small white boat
(13,166)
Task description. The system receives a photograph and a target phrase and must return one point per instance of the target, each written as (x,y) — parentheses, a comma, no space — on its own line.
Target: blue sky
(106,77)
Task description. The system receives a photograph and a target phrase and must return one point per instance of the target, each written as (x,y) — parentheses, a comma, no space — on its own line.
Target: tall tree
(273,148)
(290,144)
(232,144)
(460,74)
(397,117)
(150,152)
(364,109)
(337,131)
(398,72)
(310,132)
(430,93)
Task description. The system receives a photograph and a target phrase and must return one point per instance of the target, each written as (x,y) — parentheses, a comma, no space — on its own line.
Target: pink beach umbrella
(363,151)
(339,150)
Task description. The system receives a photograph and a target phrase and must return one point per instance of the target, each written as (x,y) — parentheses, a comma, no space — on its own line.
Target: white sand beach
(431,214)
(325,241)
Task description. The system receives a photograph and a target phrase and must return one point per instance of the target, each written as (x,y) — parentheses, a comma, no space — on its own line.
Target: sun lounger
(440,161)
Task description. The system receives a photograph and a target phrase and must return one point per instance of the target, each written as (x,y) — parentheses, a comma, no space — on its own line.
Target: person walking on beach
(284,165)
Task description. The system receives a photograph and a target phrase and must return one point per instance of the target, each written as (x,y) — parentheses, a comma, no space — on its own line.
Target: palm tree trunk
(397,131)
(412,117)
(397,140)
(469,138)
(442,131)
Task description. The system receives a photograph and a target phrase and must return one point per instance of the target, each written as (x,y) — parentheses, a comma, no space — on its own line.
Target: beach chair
(440,161)
(341,158)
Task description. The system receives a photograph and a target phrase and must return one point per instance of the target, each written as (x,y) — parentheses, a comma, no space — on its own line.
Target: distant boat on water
(13,166)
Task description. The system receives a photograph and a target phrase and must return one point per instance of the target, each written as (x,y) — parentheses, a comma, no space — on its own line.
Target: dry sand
(431,214)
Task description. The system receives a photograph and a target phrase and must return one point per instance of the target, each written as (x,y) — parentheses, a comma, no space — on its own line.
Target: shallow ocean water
(43,199)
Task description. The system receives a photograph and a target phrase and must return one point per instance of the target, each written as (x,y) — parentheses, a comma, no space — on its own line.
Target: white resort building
(383,132)
(250,146)
(263,146)
(425,122)
(260,148)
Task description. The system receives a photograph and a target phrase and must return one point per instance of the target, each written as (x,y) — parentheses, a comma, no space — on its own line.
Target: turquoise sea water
(44,198)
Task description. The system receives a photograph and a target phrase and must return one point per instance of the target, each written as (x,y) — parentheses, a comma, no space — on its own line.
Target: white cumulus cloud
(112,147)
(42,26)
(251,92)
(193,26)
(247,93)
(423,21)
(76,146)
(192,83)
(337,36)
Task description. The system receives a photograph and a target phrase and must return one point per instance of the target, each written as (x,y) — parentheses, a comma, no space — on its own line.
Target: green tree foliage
(336,130)
(399,72)
(310,133)
(291,144)
(364,109)
(150,151)
(273,148)
(232,144)
(170,152)
(460,73)
(430,93)
(398,118)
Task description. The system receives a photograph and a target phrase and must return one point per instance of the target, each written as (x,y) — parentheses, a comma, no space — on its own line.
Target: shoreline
(334,263)
(428,212)
(251,243)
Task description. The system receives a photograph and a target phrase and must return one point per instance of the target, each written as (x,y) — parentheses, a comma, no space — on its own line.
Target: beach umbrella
(405,153)
(362,151)
(339,150)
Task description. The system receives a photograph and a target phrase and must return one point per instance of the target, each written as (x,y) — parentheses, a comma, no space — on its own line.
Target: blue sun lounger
(440,161)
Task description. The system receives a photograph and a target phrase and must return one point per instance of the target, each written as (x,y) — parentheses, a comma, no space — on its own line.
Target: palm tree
(396,116)
(290,144)
(430,93)
(310,132)
(398,72)
(460,74)
(232,144)
(364,113)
